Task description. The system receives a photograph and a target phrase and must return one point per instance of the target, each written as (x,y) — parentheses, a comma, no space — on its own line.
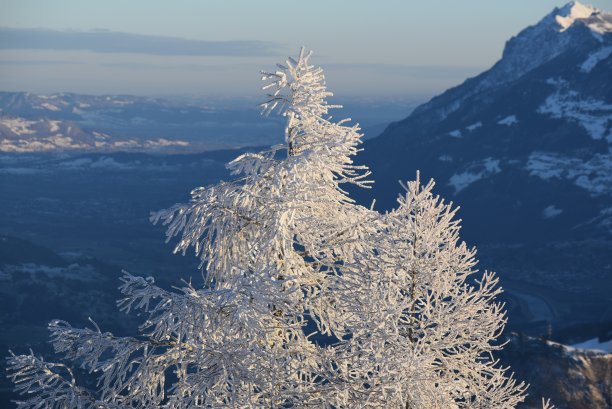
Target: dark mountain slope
(525,149)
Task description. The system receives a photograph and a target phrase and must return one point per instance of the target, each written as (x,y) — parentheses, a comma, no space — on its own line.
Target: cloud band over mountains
(104,41)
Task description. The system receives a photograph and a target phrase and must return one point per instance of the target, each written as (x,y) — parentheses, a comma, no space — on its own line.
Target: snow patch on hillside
(595,58)
(594,175)
(161,142)
(49,143)
(18,126)
(474,126)
(555,81)
(591,114)
(50,107)
(601,24)
(508,121)
(19,135)
(54,126)
(550,212)
(474,173)
(595,345)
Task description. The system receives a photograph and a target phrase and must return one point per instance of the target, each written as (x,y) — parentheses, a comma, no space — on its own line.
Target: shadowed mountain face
(525,150)
(572,378)
(523,147)
(38,285)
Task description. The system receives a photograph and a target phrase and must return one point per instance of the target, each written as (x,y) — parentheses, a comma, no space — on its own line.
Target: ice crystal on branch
(311,300)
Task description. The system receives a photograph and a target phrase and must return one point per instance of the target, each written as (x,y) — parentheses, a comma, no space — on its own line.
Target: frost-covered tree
(310,300)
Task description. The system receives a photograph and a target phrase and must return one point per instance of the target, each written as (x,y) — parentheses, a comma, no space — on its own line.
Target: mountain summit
(597,21)
(525,148)
(541,117)
(572,28)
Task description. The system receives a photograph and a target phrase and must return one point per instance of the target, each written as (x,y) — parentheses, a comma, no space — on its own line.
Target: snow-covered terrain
(508,121)
(475,172)
(594,115)
(71,122)
(594,175)
(595,58)
(20,135)
(595,344)
(573,25)
(18,126)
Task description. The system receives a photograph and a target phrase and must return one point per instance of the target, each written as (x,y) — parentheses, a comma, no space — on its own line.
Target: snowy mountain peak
(573,29)
(598,21)
(568,14)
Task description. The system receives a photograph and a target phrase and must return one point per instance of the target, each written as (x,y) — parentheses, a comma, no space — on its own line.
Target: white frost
(594,58)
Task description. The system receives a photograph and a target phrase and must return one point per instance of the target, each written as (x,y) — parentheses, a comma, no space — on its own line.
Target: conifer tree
(310,300)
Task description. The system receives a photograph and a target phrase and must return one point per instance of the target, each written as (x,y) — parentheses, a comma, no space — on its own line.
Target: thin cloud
(103,41)
(39,62)
(420,71)
(174,66)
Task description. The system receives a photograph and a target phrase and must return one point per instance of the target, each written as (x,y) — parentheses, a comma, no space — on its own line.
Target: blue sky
(216,48)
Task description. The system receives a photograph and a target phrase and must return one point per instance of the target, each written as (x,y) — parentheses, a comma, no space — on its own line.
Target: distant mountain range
(107,123)
(66,122)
